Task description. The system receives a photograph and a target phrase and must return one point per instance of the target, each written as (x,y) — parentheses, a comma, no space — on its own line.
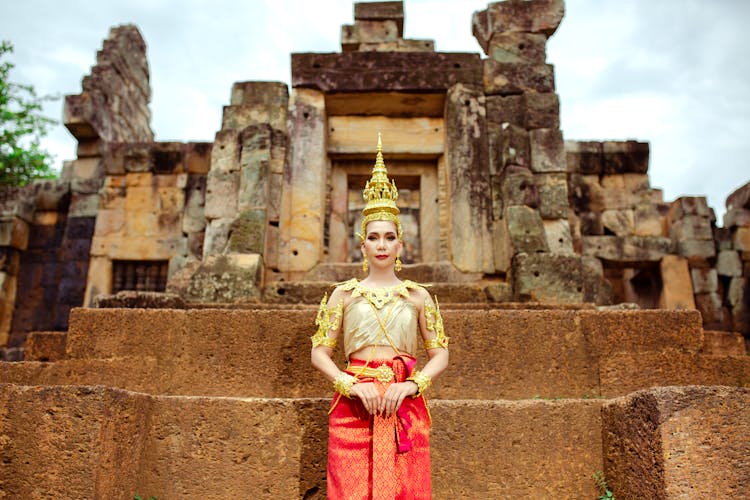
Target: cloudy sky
(671,72)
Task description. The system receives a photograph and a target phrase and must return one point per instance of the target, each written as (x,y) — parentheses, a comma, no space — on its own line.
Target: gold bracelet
(422,380)
(343,384)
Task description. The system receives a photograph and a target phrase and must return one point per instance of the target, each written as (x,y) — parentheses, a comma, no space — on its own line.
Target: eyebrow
(377,233)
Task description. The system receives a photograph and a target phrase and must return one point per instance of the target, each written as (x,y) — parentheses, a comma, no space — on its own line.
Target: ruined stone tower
(189,269)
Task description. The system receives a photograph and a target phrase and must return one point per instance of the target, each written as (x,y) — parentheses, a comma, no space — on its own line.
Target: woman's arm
(431,329)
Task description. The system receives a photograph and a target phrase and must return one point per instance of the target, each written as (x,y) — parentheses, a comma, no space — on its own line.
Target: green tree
(22,127)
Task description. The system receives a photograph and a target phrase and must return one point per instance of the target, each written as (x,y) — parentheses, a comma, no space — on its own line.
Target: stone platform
(496,354)
(223,403)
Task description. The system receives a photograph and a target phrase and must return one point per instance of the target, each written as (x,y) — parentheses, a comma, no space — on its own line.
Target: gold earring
(364,265)
(398,263)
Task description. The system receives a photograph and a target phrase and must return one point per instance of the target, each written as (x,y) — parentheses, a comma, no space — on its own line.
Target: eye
(391,237)
(372,237)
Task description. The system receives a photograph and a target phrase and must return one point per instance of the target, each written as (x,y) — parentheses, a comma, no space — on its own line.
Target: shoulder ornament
(434,323)
(329,318)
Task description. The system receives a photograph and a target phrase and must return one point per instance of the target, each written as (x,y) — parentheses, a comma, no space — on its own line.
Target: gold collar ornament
(380,196)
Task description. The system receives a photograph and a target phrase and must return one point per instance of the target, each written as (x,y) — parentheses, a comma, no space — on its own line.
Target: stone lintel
(384,71)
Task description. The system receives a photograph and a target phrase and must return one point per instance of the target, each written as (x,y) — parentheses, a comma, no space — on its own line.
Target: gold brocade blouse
(362,327)
(379,316)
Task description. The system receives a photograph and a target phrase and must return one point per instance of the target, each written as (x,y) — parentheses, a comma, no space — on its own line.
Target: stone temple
(155,301)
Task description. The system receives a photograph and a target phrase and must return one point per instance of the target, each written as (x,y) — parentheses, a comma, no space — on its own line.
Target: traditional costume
(378,457)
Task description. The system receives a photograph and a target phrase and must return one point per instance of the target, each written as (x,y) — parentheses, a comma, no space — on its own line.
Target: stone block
(471,196)
(585,193)
(368,32)
(506,109)
(170,199)
(136,180)
(14,233)
(141,199)
(584,157)
(52,195)
(697,251)
(511,78)
(728,263)
(596,288)
(625,157)
(141,223)
(168,157)
(741,241)
(501,246)
(535,16)
(677,287)
(736,291)
(720,343)
(239,117)
(254,176)
(613,199)
(216,236)
(619,222)
(688,205)
(559,239)
(739,199)
(526,230)
(737,218)
(715,315)
(515,186)
(399,45)
(547,151)
(553,195)
(647,221)
(247,232)
(225,154)
(628,249)
(547,278)
(380,11)
(45,346)
(509,145)
(481,30)
(704,280)
(84,205)
(677,442)
(226,278)
(301,230)
(499,292)
(198,157)
(691,227)
(88,175)
(193,218)
(384,71)
(137,158)
(109,221)
(518,48)
(542,110)
(222,194)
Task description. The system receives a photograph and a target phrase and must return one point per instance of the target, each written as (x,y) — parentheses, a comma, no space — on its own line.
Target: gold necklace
(381,296)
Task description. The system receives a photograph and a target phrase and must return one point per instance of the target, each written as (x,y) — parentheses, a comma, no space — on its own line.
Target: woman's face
(381,245)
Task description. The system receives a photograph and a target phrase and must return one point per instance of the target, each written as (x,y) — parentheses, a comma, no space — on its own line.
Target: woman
(378,444)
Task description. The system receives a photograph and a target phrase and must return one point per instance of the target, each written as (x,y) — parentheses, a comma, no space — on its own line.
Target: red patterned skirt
(377,457)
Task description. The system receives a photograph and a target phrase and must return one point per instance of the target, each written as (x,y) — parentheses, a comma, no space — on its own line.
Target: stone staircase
(223,403)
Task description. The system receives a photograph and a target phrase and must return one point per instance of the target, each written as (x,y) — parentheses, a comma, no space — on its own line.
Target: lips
(381,257)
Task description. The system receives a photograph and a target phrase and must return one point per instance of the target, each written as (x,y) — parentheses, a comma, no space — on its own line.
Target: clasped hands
(388,403)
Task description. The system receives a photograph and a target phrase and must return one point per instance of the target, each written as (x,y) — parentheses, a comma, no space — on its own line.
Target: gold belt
(384,373)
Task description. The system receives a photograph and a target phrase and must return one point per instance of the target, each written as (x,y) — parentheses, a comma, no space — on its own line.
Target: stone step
(495,354)
(98,442)
(310,292)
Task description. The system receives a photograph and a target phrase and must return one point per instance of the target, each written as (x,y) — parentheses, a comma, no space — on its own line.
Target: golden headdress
(380,196)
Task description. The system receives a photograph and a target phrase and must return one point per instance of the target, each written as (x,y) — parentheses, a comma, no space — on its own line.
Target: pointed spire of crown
(380,195)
